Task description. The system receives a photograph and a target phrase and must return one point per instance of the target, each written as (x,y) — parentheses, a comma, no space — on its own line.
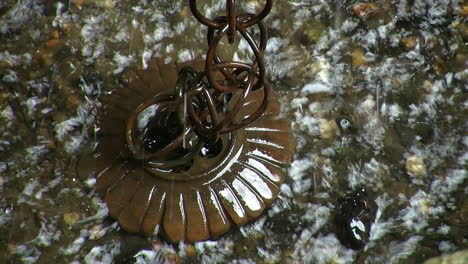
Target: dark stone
(355,213)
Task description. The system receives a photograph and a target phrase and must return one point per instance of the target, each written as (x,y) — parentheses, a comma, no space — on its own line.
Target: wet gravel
(395,70)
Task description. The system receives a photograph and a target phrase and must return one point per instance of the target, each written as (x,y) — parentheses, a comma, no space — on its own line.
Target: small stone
(328,129)
(105,3)
(172,258)
(415,166)
(358,58)
(96,232)
(71,218)
(59,117)
(52,43)
(462,29)
(190,251)
(464,11)
(461,60)
(438,65)
(363,10)
(314,32)
(54,34)
(79,3)
(427,85)
(185,11)
(459,257)
(3,96)
(410,42)
(355,214)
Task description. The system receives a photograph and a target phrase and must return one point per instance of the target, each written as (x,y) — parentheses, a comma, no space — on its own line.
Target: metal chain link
(254,74)
(205,95)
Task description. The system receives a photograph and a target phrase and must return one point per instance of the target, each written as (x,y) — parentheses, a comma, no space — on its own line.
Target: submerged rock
(355,213)
(415,166)
(459,257)
(346,124)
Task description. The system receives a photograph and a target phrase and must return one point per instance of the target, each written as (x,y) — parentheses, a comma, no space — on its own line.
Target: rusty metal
(206,157)
(254,75)
(205,94)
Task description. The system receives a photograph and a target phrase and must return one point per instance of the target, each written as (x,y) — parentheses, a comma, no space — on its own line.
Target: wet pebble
(131,244)
(3,95)
(415,166)
(410,42)
(464,11)
(358,58)
(328,129)
(190,251)
(52,43)
(79,3)
(96,232)
(71,218)
(438,65)
(363,10)
(59,117)
(109,4)
(463,30)
(355,213)
(461,61)
(459,257)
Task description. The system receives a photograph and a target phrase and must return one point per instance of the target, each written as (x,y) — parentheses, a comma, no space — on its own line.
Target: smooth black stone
(355,213)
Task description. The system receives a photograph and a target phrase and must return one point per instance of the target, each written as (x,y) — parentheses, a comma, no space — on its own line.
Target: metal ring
(212,52)
(257,18)
(130,136)
(266,99)
(201,18)
(210,23)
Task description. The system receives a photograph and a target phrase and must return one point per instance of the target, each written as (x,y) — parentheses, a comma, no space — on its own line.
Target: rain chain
(205,95)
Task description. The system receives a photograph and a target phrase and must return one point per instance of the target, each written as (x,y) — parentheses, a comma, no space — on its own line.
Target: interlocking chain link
(238,76)
(207,98)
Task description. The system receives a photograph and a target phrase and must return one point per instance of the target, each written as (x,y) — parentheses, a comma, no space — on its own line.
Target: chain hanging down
(206,96)
(238,76)
(189,154)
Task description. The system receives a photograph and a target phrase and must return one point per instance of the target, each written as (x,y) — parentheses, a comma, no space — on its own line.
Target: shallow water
(397,70)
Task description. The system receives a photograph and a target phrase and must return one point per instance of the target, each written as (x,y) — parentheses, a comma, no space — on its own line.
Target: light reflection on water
(396,73)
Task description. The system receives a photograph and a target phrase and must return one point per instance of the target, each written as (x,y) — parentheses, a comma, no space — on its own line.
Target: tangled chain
(206,95)
(238,76)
